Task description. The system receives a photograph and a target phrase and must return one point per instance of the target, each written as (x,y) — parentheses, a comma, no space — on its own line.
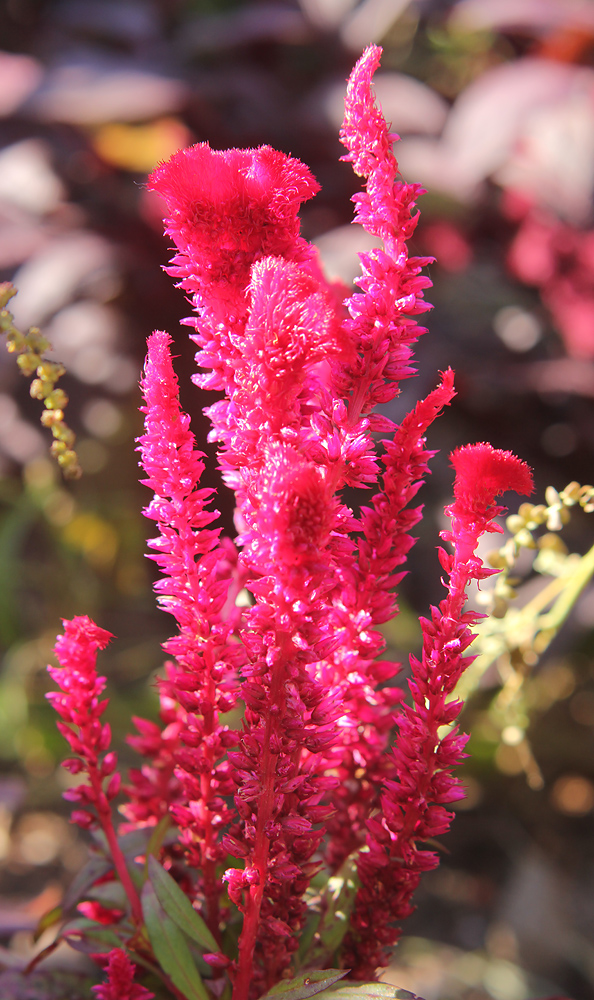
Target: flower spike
(413,799)
(80,709)
(120,983)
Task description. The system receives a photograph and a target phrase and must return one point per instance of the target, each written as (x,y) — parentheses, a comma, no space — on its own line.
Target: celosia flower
(412,803)
(301,379)
(484,472)
(301,376)
(80,709)
(79,706)
(199,579)
(120,983)
(228,210)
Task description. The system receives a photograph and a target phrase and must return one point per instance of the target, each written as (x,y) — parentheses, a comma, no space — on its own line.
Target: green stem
(578,580)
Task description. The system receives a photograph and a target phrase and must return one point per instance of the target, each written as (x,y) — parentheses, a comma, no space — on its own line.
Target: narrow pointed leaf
(177,906)
(306,985)
(368,991)
(95,867)
(90,937)
(336,904)
(48,919)
(328,923)
(171,948)
(158,835)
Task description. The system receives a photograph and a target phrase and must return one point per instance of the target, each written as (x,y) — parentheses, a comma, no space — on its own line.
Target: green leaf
(48,919)
(90,937)
(158,835)
(95,867)
(306,985)
(368,991)
(306,938)
(171,948)
(135,842)
(177,906)
(111,894)
(336,903)
(328,920)
(132,844)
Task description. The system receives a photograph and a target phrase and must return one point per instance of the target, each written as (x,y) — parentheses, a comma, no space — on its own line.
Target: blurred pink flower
(120,983)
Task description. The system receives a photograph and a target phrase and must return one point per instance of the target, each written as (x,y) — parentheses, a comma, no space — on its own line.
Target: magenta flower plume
(280,629)
(79,706)
(382,330)
(369,599)
(301,379)
(198,587)
(229,210)
(302,370)
(413,800)
(120,983)
(392,286)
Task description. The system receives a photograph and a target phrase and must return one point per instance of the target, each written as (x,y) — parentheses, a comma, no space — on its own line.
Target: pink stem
(117,856)
(249,932)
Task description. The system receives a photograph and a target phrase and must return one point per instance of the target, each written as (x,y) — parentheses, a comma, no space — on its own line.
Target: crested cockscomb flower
(482,473)
(281,626)
(228,210)
(301,377)
(120,983)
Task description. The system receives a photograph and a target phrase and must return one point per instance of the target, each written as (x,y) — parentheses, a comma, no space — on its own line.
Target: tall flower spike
(79,706)
(391,285)
(198,586)
(368,599)
(301,378)
(382,329)
(413,800)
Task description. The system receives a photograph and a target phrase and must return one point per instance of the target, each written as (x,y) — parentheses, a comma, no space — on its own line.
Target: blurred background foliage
(494,101)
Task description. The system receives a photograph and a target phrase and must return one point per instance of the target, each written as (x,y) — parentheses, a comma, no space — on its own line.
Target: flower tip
(480,468)
(368,62)
(83,629)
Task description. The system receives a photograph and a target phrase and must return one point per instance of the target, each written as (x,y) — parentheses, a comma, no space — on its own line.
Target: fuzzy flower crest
(81,638)
(232,206)
(484,472)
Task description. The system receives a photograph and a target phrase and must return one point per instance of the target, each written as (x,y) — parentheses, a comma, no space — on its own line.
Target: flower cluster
(120,983)
(277,758)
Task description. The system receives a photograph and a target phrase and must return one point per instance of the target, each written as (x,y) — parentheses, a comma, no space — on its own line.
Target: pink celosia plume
(413,800)
(80,708)
(120,983)
(284,750)
(276,754)
(198,575)
(301,377)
